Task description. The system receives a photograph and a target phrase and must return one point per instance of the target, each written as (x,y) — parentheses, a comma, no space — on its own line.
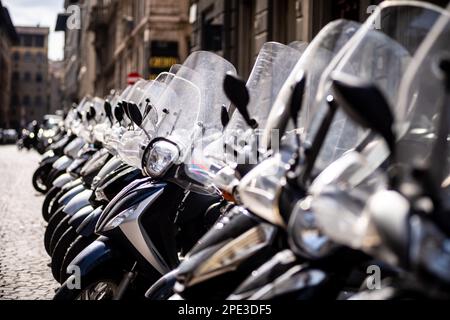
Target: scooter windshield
(379,53)
(273,65)
(421,95)
(102,128)
(316,58)
(191,104)
(113,134)
(77,123)
(128,146)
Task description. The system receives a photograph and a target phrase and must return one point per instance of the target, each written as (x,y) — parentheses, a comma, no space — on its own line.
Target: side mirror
(295,107)
(118,113)
(297,99)
(135,114)
(108,110)
(224,117)
(92,113)
(237,92)
(125,109)
(365,104)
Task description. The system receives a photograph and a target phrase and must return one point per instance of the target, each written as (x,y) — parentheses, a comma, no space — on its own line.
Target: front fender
(62,163)
(81,200)
(87,227)
(79,216)
(70,194)
(62,180)
(75,183)
(163,288)
(49,158)
(76,165)
(94,258)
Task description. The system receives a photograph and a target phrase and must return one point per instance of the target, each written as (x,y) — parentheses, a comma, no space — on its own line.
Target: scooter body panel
(79,216)
(93,258)
(62,180)
(62,163)
(70,194)
(81,200)
(148,227)
(87,227)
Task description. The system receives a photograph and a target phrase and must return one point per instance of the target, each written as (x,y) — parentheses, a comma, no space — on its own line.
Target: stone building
(55,85)
(29,90)
(116,38)
(137,36)
(79,51)
(237,29)
(8,37)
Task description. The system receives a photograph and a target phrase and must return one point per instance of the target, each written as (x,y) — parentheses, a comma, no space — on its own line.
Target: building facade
(8,37)
(29,90)
(116,38)
(237,29)
(79,62)
(137,36)
(55,85)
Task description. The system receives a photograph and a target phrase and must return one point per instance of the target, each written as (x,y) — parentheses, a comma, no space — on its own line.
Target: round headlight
(158,157)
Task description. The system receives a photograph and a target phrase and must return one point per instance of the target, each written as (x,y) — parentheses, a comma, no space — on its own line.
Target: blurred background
(55,52)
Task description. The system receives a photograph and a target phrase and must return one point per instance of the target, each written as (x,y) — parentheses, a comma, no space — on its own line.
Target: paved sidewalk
(24,273)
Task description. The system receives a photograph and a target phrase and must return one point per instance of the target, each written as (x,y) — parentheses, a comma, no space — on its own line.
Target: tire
(60,251)
(62,227)
(49,200)
(52,224)
(75,248)
(55,206)
(64,293)
(53,175)
(39,183)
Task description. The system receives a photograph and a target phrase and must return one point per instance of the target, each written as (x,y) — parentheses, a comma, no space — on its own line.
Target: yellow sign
(162,62)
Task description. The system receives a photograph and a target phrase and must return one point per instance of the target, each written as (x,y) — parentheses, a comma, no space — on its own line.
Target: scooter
(176,129)
(315,266)
(197,271)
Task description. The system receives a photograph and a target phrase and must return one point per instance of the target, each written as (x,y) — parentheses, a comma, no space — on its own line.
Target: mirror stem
(312,153)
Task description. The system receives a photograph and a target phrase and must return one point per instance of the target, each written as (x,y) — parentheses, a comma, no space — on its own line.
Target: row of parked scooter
(323,176)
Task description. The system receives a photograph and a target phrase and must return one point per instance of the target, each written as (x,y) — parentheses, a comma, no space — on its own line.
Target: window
(26,101)
(16,56)
(38,101)
(40,57)
(39,77)
(15,76)
(27,57)
(27,76)
(15,100)
(39,41)
(27,40)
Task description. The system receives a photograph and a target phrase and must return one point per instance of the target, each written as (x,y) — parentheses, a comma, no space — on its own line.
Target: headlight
(158,157)
(232,254)
(260,188)
(117,220)
(342,216)
(305,237)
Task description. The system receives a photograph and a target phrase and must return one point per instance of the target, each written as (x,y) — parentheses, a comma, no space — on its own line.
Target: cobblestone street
(24,273)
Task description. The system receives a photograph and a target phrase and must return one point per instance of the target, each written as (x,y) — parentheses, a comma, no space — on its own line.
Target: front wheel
(49,202)
(40,181)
